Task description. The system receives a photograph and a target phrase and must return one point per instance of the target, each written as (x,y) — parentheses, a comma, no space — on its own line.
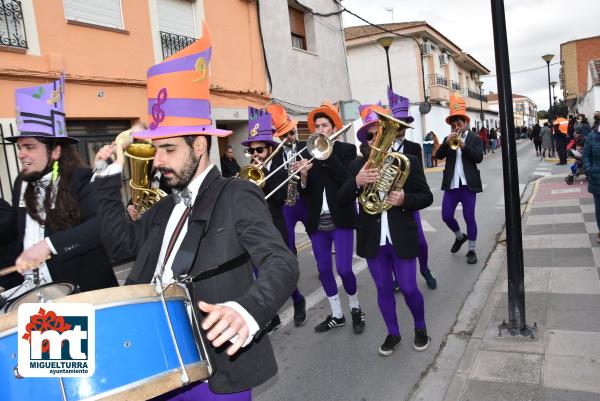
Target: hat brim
(267,141)
(407,120)
(335,117)
(458,115)
(172,132)
(287,127)
(68,139)
(361,134)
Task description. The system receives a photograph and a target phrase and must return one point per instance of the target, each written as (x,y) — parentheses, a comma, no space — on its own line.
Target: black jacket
(413,148)
(238,234)
(8,247)
(329,175)
(401,220)
(80,258)
(275,202)
(472,154)
(229,168)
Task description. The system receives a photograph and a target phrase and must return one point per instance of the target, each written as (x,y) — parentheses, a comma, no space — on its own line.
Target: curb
(446,377)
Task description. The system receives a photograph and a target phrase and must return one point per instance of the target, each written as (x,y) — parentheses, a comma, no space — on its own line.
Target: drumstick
(13,269)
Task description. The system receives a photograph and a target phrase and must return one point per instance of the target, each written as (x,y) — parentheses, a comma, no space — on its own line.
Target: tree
(542,115)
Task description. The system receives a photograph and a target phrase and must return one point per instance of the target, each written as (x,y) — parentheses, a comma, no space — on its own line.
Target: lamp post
(547,58)
(386,42)
(480,84)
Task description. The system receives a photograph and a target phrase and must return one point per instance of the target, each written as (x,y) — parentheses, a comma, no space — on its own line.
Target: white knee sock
(472,245)
(353,300)
(336,306)
(458,234)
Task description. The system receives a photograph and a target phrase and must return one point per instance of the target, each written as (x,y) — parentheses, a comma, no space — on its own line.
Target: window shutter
(105,13)
(297,22)
(177,17)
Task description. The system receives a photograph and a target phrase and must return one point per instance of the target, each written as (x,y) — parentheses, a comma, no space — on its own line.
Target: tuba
(140,156)
(394,167)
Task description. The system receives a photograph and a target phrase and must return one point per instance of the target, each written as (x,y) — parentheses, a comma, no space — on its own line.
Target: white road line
(427,227)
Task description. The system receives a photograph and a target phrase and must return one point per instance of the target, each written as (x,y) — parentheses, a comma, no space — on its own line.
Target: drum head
(43,293)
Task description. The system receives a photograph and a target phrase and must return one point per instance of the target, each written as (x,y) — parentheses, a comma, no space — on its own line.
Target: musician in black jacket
(329,223)
(461,181)
(53,206)
(400,110)
(389,241)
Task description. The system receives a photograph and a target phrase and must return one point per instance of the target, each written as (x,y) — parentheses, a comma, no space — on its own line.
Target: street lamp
(386,42)
(547,58)
(553,83)
(480,84)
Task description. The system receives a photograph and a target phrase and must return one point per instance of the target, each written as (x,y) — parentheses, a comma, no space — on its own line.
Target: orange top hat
(369,118)
(330,111)
(178,94)
(457,109)
(282,123)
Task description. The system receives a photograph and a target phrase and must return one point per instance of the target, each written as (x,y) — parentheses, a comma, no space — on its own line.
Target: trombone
(320,147)
(255,172)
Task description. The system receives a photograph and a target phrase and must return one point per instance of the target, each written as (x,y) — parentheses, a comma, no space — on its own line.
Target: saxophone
(292,187)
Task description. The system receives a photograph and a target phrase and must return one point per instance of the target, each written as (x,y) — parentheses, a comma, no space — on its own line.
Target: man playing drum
(210,228)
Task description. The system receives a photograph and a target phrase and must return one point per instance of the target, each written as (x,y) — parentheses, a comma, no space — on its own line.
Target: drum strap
(186,254)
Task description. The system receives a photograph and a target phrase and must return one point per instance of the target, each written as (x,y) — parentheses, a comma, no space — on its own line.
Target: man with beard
(53,207)
(210,230)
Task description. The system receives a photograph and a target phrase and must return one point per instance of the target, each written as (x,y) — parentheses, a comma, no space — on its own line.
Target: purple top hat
(399,105)
(259,127)
(41,112)
(369,118)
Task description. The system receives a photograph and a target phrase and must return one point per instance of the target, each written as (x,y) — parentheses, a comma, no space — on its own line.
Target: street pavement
(340,365)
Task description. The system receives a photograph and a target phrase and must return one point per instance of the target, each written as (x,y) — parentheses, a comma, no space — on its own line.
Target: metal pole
(512,210)
(549,93)
(387,57)
(481,106)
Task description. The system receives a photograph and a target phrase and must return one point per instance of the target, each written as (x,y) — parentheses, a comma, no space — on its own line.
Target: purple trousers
(451,200)
(201,392)
(343,238)
(423,248)
(381,267)
(292,215)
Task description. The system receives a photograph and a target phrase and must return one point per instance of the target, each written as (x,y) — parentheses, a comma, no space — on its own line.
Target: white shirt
(167,274)
(459,172)
(385,236)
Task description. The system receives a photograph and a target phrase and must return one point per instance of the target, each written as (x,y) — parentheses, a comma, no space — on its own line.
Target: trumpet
(320,147)
(140,156)
(255,172)
(456,141)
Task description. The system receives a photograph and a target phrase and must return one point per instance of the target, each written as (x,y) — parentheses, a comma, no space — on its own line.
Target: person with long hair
(53,205)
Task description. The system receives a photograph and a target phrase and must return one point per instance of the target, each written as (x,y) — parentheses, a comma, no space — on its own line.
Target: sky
(534,28)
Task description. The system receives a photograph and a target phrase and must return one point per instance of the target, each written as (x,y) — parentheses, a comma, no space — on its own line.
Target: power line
(525,70)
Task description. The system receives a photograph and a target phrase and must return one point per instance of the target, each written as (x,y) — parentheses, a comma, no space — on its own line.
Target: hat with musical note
(259,127)
(457,109)
(399,105)
(41,112)
(178,94)
(282,123)
(369,118)
(331,111)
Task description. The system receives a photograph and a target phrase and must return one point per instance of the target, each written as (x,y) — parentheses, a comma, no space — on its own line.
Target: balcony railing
(455,86)
(172,43)
(12,25)
(477,96)
(435,79)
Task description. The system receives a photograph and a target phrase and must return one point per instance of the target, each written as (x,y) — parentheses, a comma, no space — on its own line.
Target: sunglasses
(258,149)
(370,136)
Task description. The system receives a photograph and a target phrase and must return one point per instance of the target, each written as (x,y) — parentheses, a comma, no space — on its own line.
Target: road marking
(428,227)
(565,191)
(318,295)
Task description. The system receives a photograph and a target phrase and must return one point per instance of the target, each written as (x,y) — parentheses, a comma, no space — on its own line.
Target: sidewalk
(562,297)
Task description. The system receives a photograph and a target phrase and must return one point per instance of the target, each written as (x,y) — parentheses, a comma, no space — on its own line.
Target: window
(12,24)
(176,24)
(104,13)
(297,28)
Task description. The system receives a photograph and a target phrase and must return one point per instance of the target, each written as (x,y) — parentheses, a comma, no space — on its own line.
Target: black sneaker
(300,312)
(422,340)
(358,320)
(458,243)
(389,345)
(274,324)
(429,279)
(471,257)
(329,323)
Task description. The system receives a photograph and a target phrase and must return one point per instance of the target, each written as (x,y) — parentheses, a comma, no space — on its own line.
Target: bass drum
(44,293)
